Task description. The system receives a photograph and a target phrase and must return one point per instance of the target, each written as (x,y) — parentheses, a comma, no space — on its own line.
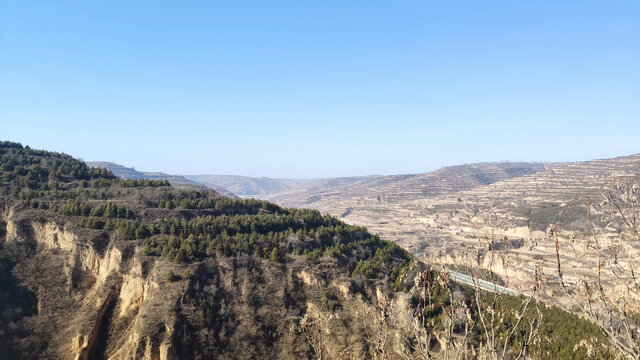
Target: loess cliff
(94,267)
(84,295)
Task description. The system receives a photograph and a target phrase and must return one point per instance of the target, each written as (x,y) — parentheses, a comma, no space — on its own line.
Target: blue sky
(321,88)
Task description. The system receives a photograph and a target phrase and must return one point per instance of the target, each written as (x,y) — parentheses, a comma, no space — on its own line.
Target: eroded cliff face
(95,298)
(83,294)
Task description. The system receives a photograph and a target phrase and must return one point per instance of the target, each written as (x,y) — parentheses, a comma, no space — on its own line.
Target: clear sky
(320,88)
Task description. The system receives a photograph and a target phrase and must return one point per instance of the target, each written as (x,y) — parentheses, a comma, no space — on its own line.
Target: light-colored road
(482,284)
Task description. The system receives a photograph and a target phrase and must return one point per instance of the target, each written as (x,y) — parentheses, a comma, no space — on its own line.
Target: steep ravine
(97,342)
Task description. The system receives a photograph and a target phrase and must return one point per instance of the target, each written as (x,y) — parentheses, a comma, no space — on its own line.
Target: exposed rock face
(83,289)
(81,294)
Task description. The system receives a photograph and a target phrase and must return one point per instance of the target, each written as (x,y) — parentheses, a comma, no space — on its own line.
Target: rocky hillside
(98,267)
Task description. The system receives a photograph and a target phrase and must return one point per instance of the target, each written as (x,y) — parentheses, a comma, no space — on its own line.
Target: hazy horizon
(353,175)
(319,90)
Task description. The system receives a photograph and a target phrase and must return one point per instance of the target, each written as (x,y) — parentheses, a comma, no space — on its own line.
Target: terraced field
(398,188)
(452,215)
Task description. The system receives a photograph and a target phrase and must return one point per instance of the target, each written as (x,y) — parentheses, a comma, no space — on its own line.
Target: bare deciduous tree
(611,296)
(499,334)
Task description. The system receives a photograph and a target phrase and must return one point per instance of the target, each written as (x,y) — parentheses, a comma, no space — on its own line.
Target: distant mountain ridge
(392,188)
(264,187)
(248,186)
(303,192)
(131,173)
